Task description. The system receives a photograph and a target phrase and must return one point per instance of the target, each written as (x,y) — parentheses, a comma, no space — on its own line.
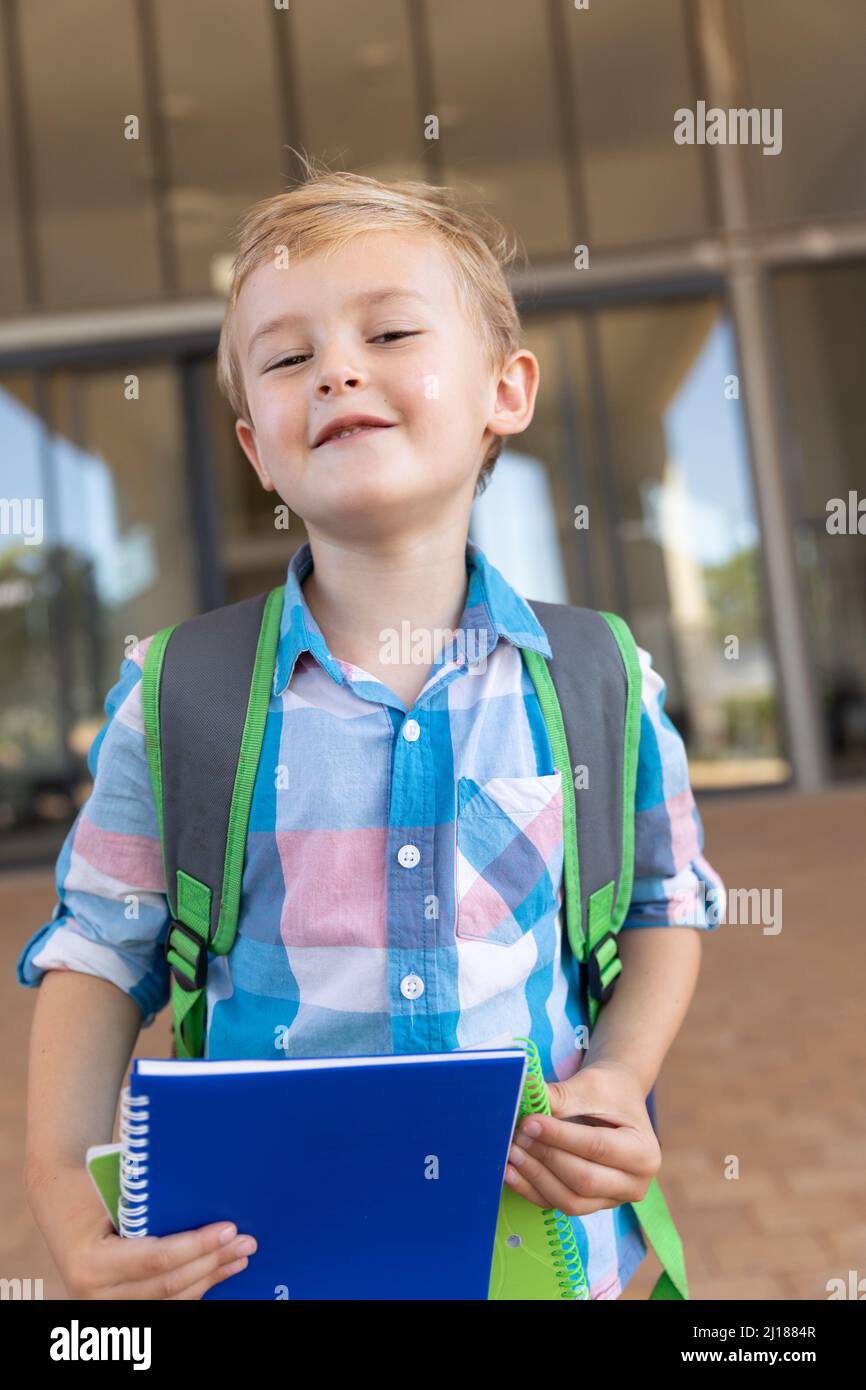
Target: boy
(371,353)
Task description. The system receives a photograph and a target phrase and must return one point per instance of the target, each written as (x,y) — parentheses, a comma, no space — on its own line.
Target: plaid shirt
(402,886)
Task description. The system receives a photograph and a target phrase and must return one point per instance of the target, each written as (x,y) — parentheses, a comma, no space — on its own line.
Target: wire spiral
(134,1129)
(560,1232)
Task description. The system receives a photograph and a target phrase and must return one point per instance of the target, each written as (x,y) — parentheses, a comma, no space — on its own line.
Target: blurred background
(703,388)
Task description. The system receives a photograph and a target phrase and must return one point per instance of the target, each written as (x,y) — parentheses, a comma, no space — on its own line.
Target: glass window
(658,458)
(12,287)
(527,520)
(222,120)
(256,545)
(631,73)
(808,63)
(494,94)
(353,75)
(116,561)
(689,533)
(34,763)
(821,313)
(123,506)
(96,228)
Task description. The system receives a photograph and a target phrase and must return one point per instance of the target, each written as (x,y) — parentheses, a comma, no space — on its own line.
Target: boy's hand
(597,1149)
(95,1262)
(182,1266)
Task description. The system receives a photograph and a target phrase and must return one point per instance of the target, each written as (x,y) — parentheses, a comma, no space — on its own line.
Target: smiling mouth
(345,435)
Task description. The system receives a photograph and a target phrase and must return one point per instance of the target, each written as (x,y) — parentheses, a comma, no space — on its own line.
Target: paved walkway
(768,1072)
(769,1068)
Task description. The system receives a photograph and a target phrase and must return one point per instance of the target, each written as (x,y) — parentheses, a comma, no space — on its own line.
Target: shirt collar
(492,607)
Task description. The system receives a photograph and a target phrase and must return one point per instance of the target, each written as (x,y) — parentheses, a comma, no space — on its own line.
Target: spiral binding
(560,1232)
(134,1128)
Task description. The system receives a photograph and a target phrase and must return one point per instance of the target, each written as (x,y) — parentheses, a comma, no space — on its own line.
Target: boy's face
(411,360)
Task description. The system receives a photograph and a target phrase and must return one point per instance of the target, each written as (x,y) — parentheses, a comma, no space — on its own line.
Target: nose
(332,381)
(335,372)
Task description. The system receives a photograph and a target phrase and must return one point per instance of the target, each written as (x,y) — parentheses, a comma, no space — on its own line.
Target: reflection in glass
(116,561)
(528,529)
(222,125)
(355,84)
(31,741)
(515,526)
(13,285)
(670,510)
(631,72)
(96,222)
(822,341)
(496,104)
(690,536)
(814,74)
(257,544)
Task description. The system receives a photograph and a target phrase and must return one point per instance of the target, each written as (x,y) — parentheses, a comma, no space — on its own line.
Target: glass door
(632,491)
(821,315)
(99,455)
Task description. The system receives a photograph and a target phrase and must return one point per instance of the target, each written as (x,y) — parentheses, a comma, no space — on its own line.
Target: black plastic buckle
(594,971)
(199,979)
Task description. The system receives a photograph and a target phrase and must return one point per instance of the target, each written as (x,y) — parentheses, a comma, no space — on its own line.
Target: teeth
(344,434)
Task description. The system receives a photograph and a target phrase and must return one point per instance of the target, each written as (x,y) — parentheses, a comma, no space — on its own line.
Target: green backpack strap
(204,722)
(607,905)
(652,1210)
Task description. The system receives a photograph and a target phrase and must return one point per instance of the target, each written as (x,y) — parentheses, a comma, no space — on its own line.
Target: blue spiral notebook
(360,1177)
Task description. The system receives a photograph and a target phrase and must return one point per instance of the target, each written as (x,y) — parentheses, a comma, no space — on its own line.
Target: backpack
(203,762)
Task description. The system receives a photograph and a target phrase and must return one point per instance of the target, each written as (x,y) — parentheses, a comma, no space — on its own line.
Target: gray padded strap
(591,685)
(204,692)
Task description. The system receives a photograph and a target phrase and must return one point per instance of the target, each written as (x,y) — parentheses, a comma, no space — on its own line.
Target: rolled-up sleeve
(674,885)
(111,916)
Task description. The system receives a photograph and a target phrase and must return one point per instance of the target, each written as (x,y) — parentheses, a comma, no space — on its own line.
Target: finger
(564,1180)
(131,1260)
(623,1147)
(156,1266)
(197,1291)
(176,1283)
(577,1207)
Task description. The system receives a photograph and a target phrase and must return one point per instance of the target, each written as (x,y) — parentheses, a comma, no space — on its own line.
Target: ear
(516,391)
(247,440)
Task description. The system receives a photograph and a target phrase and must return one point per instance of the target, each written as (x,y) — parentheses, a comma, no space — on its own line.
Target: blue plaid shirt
(402,886)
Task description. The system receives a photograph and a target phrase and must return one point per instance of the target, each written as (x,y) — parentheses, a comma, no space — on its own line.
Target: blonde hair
(328,208)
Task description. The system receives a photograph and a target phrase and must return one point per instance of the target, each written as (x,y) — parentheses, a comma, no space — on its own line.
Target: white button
(411,986)
(411,730)
(408,856)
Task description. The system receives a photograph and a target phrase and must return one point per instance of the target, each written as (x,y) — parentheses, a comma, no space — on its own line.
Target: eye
(301,357)
(395,333)
(284,361)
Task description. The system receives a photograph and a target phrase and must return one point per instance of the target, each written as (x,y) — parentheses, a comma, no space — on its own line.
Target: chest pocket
(509,855)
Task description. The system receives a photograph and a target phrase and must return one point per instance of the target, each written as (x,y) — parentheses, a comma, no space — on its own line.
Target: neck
(356,593)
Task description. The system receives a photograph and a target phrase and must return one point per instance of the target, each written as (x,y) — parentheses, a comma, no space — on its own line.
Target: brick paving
(770,1065)
(767,1078)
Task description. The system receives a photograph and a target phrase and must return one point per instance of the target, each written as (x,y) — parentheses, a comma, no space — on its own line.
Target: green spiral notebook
(535,1255)
(103,1165)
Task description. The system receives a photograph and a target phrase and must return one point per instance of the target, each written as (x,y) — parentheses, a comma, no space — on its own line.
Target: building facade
(698,308)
